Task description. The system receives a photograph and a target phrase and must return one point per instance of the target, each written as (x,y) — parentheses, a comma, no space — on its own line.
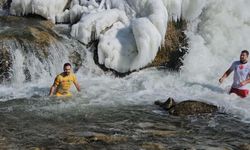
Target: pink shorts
(241,93)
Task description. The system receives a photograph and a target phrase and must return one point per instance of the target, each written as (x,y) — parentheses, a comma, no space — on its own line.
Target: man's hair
(245,51)
(66,64)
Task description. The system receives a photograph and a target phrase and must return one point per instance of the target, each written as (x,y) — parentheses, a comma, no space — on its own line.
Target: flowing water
(121,109)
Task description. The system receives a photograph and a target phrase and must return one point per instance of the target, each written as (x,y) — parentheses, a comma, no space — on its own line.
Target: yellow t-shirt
(64,83)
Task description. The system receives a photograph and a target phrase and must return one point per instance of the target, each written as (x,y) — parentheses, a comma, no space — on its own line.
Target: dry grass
(169,53)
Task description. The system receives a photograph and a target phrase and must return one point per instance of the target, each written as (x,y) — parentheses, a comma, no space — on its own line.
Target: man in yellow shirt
(63,82)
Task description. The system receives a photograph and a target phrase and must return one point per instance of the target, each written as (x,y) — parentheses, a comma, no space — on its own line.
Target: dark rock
(167,104)
(5,4)
(188,107)
(5,64)
(244,147)
(76,60)
(106,138)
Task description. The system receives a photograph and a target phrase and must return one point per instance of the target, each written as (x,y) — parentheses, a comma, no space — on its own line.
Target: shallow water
(63,124)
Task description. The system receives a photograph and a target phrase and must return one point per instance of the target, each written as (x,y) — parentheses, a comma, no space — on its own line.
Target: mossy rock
(188,107)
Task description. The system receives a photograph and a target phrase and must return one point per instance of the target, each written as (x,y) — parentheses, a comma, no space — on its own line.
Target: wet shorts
(241,93)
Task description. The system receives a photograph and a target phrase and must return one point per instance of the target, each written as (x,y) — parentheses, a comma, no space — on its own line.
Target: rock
(4,144)
(76,60)
(153,146)
(5,64)
(188,107)
(171,53)
(5,4)
(162,133)
(244,147)
(106,138)
(167,104)
(75,140)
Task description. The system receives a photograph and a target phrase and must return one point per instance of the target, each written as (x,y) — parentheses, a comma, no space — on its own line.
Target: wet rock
(5,64)
(162,133)
(76,60)
(75,140)
(25,29)
(188,107)
(5,4)
(153,146)
(4,144)
(244,147)
(106,138)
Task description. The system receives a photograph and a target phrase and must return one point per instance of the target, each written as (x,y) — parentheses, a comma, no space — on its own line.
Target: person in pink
(241,70)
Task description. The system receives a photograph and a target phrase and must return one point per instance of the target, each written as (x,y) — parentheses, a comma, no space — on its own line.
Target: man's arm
(225,75)
(246,81)
(52,90)
(77,86)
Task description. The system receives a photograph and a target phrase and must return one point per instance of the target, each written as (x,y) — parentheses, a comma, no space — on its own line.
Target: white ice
(95,23)
(45,8)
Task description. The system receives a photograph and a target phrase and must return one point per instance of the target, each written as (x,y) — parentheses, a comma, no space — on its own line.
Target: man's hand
(221,79)
(77,86)
(243,83)
(52,90)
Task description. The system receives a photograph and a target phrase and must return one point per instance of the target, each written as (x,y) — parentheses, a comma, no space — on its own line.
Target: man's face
(67,70)
(243,57)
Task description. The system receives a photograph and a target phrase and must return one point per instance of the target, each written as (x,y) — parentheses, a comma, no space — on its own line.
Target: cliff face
(174,48)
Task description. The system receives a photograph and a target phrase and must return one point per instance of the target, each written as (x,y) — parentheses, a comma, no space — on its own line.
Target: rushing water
(123,107)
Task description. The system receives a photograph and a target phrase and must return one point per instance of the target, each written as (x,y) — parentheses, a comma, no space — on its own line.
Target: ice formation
(45,8)
(130,32)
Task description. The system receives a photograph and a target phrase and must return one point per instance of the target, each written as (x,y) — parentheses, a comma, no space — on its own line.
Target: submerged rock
(75,140)
(153,146)
(244,147)
(188,107)
(106,138)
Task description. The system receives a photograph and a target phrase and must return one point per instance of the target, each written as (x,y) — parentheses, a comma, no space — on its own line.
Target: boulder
(188,107)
